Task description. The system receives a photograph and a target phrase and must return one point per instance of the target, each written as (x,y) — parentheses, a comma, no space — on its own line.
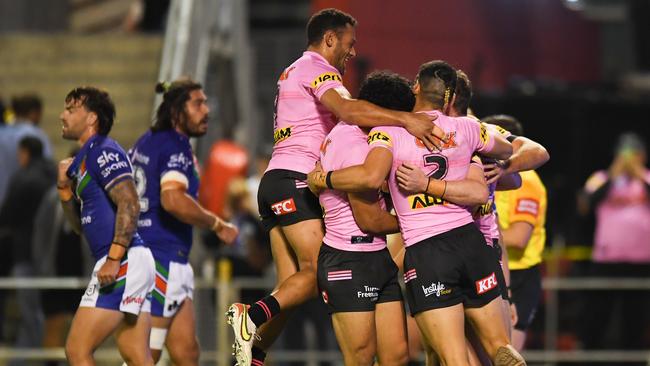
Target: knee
(138,359)
(398,356)
(364,356)
(76,354)
(186,353)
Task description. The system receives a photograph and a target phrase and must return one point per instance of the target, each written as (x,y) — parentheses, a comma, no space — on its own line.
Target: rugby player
(311,98)
(448,269)
(100,178)
(167,182)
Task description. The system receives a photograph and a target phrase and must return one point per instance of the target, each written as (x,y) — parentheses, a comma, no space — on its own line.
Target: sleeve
(382,137)
(323,78)
(176,164)
(525,203)
(109,166)
(479,136)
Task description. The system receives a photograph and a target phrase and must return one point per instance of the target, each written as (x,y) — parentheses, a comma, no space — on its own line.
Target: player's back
(345,146)
(421,215)
(301,121)
(156,156)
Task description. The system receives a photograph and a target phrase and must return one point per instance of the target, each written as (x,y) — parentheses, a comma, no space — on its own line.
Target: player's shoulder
(102,144)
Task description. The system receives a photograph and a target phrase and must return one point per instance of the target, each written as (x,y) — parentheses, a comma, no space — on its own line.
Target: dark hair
(388,90)
(463,93)
(97,101)
(437,81)
(324,20)
(23,105)
(175,95)
(507,122)
(32,145)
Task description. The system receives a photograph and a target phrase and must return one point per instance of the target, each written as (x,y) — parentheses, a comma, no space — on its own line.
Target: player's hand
(513,314)
(411,179)
(226,231)
(494,171)
(421,126)
(62,178)
(107,273)
(316,179)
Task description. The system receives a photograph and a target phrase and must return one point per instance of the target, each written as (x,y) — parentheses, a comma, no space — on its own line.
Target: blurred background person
(27,187)
(57,251)
(27,110)
(522,218)
(620,199)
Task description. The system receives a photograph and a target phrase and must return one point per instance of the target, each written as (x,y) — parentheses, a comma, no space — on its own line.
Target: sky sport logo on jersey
(284,207)
(113,159)
(486,284)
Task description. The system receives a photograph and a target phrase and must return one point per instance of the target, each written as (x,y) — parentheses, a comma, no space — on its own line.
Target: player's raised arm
(365,114)
(69,205)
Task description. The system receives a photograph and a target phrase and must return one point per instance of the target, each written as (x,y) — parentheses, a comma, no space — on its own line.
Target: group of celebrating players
(339,167)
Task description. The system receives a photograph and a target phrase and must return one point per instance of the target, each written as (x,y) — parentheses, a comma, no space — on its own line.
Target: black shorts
(448,269)
(284,199)
(526,287)
(356,281)
(501,278)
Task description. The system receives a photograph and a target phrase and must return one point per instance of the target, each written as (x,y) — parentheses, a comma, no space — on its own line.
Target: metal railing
(226,289)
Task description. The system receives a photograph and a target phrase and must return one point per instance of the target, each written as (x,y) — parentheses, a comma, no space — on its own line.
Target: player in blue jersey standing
(100,179)
(167,183)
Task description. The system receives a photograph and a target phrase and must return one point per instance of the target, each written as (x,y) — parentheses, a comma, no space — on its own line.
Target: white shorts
(174,284)
(131,292)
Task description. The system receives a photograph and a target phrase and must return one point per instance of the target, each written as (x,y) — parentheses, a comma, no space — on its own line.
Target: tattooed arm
(125,197)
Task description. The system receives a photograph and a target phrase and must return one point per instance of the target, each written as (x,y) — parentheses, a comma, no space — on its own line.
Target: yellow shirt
(527,204)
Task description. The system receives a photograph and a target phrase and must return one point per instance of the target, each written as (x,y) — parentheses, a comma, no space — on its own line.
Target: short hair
(23,105)
(463,92)
(507,122)
(97,101)
(32,145)
(437,81)
(324,20)
(175,95)
(388,90)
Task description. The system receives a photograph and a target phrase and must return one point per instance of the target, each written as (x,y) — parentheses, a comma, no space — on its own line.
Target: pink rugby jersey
(422,216)
(345,146)
(486,215)
(301,122)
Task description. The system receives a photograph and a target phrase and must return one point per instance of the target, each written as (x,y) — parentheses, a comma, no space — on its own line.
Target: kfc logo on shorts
(325,297)
(284,207)
(486,284)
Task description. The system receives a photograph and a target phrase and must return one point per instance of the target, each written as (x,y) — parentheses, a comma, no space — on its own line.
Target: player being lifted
(310,100)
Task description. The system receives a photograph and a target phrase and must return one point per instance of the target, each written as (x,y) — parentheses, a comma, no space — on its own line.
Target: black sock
(258,356)
(263,310)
